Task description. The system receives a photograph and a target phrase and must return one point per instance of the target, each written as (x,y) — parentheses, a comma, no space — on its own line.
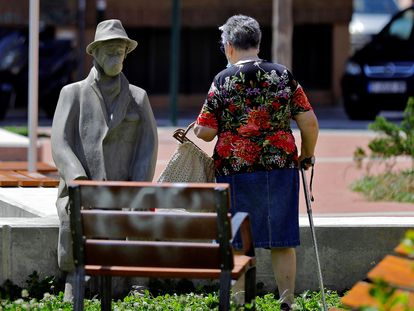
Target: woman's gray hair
(241,31)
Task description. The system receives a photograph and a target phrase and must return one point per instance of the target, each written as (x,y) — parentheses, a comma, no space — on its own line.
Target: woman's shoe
(285,307)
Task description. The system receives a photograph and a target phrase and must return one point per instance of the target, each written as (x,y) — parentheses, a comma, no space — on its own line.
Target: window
(401,27)
(375,6)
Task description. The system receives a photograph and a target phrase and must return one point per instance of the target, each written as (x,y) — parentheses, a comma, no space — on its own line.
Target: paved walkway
(334,172)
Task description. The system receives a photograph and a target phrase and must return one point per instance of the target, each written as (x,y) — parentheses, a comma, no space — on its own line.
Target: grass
(46,294)
(21,130)
(309,301)
(390,186)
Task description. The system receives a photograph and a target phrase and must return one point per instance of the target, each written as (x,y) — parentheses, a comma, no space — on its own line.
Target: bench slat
(25,179)
(7,181)
(241,264)
(139,195)
(149,225)
(396,271)
(41,179)
(359,296)
(24,165)
(402,250)
(22,180)
(148,254)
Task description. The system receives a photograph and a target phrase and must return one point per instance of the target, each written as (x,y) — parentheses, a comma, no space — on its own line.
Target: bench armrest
(241,222)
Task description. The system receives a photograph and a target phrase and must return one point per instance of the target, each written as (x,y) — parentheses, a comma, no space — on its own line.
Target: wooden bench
(115,233)
(16,174)
(41,167)
(397,273)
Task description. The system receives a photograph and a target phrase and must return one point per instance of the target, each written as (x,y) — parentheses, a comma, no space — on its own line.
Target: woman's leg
(284,270)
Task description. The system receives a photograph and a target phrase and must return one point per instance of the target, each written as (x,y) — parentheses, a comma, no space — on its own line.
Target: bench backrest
(114,224)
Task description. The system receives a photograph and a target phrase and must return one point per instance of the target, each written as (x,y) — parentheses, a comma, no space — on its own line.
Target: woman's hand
(306,163)
(205,133)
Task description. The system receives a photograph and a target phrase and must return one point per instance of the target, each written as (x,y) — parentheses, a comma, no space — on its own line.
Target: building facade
(319,41)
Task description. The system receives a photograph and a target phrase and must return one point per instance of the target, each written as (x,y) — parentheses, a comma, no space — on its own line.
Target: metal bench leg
(250,286)
(79,289)
(225,284)
(106,293)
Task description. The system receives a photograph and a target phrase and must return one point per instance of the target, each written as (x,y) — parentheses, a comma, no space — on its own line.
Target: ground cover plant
(394,141)
(308,301)
(45,294)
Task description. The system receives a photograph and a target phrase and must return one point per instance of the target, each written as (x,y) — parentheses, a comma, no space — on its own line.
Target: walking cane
(308,198)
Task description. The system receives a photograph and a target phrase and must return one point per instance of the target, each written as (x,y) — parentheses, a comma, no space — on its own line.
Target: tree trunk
(282,25)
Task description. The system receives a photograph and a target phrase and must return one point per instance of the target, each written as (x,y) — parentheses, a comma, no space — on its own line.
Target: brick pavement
(334,172)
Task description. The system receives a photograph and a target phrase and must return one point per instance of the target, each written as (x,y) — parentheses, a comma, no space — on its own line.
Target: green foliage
(389,186)
(189,302)
(394,140)
(389,145)
(36,287)
(10,291)
(164,286)
(407,125)
(312,301)
(21,130)
(387,298)
(408,242)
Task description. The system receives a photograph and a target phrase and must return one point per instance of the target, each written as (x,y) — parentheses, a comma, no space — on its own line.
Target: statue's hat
(108,30)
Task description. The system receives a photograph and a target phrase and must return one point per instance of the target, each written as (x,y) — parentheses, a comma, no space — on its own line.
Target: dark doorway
(312,56)
(200,58)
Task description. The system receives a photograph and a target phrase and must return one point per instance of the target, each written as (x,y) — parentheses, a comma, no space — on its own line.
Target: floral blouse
(251,104)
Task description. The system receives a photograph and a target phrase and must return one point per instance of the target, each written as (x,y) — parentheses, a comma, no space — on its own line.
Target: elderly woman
(249,107)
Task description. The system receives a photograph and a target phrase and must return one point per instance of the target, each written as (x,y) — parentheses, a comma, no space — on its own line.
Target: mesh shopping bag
(188,163)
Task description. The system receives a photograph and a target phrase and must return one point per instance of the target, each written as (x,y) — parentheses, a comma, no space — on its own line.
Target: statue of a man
(103,128)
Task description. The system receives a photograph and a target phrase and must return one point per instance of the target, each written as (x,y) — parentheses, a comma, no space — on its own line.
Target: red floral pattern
(283,140)
(245,151)
(224,145)
(299,97)
(251,106)
(207,119)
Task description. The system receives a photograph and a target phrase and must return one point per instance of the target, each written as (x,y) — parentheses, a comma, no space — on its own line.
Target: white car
(368,18)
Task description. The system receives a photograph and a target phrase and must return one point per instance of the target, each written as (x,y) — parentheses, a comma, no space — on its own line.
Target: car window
(375,6)
(401,27)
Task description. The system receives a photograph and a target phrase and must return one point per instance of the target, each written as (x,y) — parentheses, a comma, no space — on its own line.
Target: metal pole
(100,10)
(33,83)
(81,39)
(175,60)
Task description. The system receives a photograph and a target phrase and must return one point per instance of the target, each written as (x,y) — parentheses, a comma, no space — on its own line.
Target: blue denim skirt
(272,200)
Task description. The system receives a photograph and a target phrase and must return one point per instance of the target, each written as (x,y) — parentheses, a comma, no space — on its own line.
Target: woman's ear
(230,49)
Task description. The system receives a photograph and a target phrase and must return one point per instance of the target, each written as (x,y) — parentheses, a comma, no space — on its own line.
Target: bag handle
(180,135)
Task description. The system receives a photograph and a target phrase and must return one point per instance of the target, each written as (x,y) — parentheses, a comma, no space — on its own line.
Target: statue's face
(110,56)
